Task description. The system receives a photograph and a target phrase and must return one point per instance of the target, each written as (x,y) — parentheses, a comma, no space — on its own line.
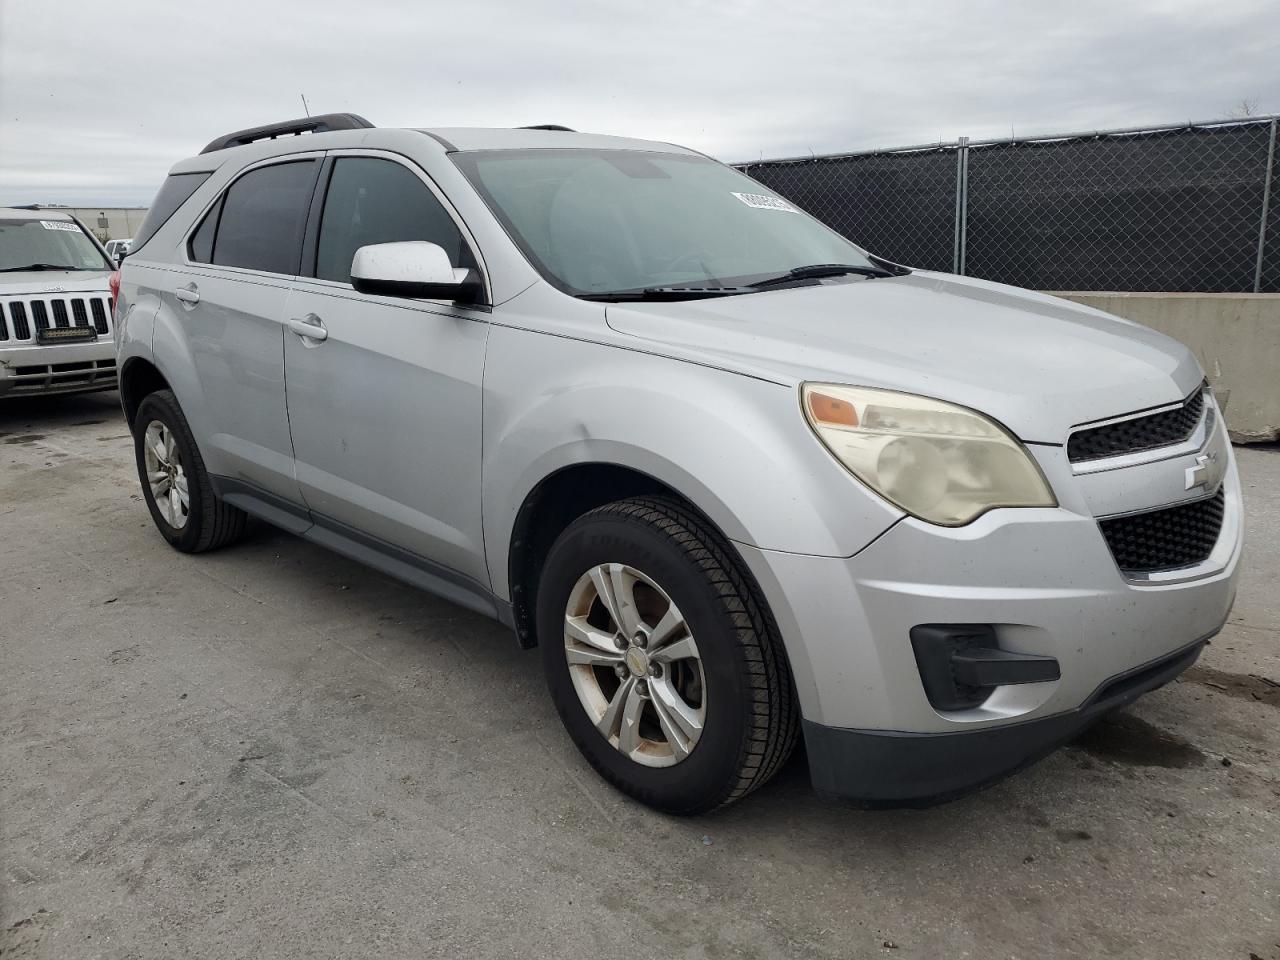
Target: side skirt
(387,558)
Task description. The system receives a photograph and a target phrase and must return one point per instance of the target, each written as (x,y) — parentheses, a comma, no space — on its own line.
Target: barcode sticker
(763,202)
(59,225)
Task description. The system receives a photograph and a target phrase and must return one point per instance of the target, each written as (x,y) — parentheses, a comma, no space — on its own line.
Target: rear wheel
(662,660)
(175,483)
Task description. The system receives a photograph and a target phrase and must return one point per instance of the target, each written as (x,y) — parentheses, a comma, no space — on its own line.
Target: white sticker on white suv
(59,225)
(762,202)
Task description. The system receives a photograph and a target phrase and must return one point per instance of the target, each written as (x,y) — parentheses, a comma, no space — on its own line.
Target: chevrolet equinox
(738,479)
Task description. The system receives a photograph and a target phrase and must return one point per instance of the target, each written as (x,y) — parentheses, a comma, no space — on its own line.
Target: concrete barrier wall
(1235,335)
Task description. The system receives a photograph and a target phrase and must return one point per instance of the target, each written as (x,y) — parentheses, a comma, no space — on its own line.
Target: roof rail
(549,126)
(321,124)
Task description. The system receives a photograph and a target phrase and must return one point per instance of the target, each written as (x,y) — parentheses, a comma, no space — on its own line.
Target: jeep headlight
(940,462)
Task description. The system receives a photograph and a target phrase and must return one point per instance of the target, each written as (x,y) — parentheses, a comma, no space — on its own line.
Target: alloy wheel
(635,665)
(165,474)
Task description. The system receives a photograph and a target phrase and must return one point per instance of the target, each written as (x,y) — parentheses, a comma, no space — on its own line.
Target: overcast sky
(98,98)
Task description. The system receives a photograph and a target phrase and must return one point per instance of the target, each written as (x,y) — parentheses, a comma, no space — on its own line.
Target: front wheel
(662,660)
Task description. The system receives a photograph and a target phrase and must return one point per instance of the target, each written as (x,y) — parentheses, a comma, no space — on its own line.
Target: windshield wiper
(667,294)
(41,266)
(817,271)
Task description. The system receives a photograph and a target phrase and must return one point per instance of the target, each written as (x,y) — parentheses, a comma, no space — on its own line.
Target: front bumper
(30,370)
(1043,579)
(914,769)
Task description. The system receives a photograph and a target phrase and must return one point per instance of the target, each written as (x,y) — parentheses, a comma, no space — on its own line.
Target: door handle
(309,327)
(188,294)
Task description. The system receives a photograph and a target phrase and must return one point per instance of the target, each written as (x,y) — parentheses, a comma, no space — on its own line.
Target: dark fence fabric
(900,205)
(1175,210)
(1271,250)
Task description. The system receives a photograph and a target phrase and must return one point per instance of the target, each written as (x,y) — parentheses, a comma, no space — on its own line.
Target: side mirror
(412,268)
(120,255)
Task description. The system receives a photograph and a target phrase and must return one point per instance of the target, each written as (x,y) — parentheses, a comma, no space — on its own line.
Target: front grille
(1165,539)
(42,378)
(100,312)
(1141,433)
(21,328)
(28,316)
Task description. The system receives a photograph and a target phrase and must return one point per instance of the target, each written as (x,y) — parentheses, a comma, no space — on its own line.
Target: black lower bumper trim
(886,768)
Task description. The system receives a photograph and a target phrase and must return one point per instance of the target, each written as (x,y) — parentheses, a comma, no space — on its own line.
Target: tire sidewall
(159,407)
(707,776)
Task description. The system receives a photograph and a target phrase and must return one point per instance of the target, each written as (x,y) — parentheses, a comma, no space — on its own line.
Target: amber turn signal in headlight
(937,461)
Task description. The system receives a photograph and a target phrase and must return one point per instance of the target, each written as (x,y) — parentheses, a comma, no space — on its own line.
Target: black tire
(751,723)
(210,523)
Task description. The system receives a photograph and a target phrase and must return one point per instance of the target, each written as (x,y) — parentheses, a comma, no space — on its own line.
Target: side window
(379,201)
(174,192)
(200,246)
(264,214)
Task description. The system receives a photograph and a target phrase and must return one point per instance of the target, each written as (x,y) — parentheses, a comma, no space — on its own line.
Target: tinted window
(201,243)
(263,217)
(378,201)
(174,192)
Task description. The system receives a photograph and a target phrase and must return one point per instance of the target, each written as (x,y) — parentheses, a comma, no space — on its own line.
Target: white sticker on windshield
(763,202)
(59,225)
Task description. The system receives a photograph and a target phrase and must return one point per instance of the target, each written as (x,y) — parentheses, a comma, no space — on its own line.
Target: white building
(107,223)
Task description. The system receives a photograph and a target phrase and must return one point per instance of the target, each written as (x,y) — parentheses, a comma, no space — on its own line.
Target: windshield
(615,221)
(47,245)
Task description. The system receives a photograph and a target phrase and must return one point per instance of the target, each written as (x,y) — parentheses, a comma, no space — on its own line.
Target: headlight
(937,461)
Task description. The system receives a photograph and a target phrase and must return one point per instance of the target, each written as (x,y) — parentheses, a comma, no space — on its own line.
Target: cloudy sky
(99,97)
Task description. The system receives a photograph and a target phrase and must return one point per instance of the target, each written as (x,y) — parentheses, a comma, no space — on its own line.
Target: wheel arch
(556,501)
(138,378)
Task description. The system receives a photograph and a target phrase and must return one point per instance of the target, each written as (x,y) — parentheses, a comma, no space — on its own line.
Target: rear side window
(200,247)
(264,214)
(379,201)
(174,192)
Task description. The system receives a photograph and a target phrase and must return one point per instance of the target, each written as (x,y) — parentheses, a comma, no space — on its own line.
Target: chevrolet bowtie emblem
(1206,473)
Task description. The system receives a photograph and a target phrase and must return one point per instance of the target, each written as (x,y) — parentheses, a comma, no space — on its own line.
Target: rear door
(242,260)
(385,410)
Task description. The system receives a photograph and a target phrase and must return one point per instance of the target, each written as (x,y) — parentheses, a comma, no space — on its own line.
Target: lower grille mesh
(1165,539)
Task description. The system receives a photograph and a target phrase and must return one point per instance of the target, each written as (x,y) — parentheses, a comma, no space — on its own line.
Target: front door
(383,392)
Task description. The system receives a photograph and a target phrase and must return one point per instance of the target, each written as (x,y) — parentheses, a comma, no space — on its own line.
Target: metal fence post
(964,210)
(957,249)
(1266,209)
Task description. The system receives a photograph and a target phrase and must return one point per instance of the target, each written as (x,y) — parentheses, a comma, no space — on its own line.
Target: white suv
(117,250)
(736,477)
(55,306)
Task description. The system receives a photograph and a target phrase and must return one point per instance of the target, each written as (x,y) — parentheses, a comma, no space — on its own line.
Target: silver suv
(737,478)
(55,305)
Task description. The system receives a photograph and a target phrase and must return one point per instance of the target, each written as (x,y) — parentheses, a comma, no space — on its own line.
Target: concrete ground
(272,752)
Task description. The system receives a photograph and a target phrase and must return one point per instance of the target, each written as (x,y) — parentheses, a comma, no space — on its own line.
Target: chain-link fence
(1177,209)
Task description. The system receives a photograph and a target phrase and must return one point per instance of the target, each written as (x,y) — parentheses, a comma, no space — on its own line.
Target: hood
(34,283)
(1038,364)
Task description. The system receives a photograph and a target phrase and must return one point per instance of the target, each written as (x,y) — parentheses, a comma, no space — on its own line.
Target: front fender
(734,446)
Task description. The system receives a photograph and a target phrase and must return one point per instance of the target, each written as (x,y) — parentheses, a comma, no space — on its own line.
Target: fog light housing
(961,664)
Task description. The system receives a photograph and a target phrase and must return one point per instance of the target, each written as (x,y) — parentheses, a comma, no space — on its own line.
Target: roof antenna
(305,108)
